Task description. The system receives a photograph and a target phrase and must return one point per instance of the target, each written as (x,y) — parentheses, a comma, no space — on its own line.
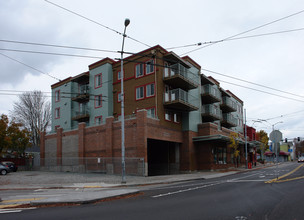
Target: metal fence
(106,165)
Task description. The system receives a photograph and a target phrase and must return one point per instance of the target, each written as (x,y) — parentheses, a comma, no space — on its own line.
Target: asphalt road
(248,195)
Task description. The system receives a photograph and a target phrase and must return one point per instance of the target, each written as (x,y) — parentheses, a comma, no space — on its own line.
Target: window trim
(178,116)
(57,92)
(143,71)
(146,65)
(169,113)
(146,86)
(95,77)
(57,110)
(97,100)
(98,117)
(136,93)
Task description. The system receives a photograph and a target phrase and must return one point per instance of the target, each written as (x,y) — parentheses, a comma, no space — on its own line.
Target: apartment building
(176,119)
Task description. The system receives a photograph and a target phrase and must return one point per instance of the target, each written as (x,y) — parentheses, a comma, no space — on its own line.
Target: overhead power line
(59,46)
(49,53)
(246,87)
(30,66)
(95,22)
(244,32)
(256,84)
(236,38)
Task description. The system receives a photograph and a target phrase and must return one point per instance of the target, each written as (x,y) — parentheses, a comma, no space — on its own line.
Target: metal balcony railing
(180,99)
(229,119)
(228,102)
(211,110)
(212,91)
(178,70)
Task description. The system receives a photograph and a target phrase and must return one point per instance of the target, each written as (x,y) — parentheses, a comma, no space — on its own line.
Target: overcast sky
(275,61)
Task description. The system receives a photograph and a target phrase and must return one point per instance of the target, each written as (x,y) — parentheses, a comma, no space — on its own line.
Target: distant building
(176,119)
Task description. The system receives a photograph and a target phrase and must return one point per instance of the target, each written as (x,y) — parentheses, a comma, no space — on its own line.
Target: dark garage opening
(163,157)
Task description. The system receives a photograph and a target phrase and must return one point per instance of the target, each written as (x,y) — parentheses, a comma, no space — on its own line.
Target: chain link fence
(106,165)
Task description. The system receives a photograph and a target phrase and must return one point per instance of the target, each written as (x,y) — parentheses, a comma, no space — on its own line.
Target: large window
(219,155)
(139,70)
(98,80)
(98,101)
(150,90)
(146,68)
(140,93)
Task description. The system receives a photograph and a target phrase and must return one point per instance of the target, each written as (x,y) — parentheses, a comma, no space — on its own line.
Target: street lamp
(123,163)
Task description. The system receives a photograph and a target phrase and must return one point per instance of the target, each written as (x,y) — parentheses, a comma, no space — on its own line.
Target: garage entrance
(163,157)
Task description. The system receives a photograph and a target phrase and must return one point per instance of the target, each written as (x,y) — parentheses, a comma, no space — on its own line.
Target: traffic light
(285,140)
(298,138)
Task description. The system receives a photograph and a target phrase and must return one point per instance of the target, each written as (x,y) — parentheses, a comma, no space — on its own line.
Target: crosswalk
(6,211)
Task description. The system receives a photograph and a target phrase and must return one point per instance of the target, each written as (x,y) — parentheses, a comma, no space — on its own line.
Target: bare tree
(33,111)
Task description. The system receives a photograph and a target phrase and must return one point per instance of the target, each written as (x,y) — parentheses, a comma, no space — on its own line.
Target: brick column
(42,148)
(109,145)
(59,146)
(81,142)
(142,142)
(109,136)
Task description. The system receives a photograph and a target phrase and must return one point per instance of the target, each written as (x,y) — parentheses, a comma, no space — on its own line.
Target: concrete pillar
(109,145)
(42,149)
(142,142)
(59,146)
(81,142)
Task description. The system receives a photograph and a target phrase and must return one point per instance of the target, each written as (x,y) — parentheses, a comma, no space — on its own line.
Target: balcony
(210,94)
(228,120)
(180,100)
(179,76)
(83,95)
(82,115)
(211,113)
(228,105)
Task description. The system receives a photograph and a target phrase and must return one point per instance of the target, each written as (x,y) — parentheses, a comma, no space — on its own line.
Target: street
(247,195)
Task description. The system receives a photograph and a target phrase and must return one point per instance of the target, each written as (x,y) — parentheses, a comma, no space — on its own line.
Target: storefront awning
(216,137)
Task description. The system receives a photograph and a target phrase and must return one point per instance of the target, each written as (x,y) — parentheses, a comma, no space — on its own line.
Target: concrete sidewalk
(49,188)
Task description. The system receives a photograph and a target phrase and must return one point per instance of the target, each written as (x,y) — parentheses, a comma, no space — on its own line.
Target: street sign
(275,136)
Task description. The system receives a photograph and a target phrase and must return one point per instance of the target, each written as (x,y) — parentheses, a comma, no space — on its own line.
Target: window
(176,118)
(57,113)
(98,80)
(219,155)
(150,66)
(119,97)
(150,90)
(151,112)
(98,120)
(57,96)
(98,101)
(139,70)
(139,93)
(167,116)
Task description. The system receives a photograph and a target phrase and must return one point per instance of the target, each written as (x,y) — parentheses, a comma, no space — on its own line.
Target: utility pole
(246,141)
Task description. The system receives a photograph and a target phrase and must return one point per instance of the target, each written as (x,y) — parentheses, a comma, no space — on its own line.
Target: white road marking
(4,211)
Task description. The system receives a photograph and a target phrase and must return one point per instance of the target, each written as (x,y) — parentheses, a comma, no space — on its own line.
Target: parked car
(4,170)
(301,159)
(10,165)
